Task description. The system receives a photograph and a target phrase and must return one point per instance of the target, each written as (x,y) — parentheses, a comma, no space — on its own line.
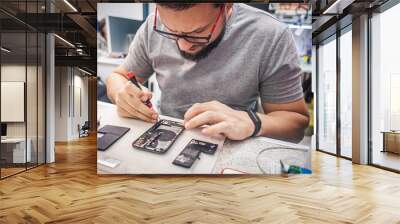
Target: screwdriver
(132,77)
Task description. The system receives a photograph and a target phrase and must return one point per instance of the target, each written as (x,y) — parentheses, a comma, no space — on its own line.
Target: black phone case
(111,134)
(115,130)
(106,141)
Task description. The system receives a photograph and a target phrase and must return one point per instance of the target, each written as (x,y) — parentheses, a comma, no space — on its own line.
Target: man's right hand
(128,98)
(130,102)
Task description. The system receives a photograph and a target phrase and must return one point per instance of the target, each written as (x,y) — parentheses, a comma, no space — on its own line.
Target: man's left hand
(234,124)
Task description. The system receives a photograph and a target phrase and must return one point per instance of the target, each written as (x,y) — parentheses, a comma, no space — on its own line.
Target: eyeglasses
(191,39)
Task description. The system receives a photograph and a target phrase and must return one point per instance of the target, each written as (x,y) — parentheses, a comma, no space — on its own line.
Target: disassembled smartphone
(192,151)
(160,137)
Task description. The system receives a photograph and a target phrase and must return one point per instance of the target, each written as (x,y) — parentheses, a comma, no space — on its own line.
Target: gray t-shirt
(257,57)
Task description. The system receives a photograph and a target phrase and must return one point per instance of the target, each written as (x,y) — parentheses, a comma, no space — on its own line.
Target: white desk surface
(239,155)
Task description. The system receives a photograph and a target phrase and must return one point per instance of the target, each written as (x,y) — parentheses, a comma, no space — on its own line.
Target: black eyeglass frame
(188,38)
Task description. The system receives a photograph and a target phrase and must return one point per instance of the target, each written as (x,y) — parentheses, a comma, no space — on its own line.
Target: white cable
(271,148)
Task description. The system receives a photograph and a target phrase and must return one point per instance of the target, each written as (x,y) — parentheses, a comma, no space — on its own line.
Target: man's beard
(203,52)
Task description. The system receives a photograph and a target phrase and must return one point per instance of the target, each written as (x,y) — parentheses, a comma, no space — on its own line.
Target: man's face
(195,21)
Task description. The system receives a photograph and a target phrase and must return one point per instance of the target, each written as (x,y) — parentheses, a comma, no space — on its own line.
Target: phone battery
(192,151)
(187,157)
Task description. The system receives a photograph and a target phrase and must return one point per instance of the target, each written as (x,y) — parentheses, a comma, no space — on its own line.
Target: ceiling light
(84,71)
(338,6)
(329,9)
(5,50)
(70,5)
(65,41)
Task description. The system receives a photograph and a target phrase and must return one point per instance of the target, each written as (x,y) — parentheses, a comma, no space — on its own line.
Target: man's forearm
(284,125)
(114,83)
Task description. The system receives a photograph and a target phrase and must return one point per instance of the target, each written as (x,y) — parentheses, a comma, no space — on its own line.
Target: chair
(84,130)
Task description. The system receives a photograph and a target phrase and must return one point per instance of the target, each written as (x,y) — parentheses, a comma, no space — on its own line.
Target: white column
(50,99)
(360,90)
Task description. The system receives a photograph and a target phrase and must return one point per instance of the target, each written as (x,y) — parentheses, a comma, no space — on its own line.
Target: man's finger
(132,114)
(146,111)
(207,117)
(132,89)
(126,108)
(216,129)
(123,113)
(144,118)
(199,108)
(145,95)
(194,110)
(136,105)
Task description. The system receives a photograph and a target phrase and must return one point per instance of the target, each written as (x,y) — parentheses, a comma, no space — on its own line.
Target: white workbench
(238,155)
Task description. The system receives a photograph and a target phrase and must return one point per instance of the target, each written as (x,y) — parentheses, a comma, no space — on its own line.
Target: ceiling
(330,15)
(76,23)
(73,20)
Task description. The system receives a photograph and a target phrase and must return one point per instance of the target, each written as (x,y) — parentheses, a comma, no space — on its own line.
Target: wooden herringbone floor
(70,191)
